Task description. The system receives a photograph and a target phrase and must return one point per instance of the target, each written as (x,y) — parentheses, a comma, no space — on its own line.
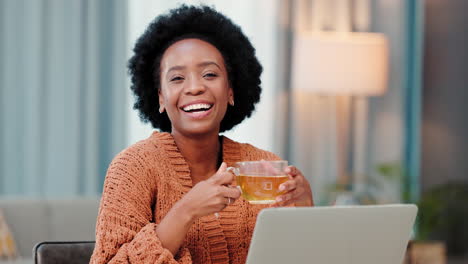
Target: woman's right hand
(205,198)
(212,195)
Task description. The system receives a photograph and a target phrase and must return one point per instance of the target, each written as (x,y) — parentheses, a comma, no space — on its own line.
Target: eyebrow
(199,65)
(204,64)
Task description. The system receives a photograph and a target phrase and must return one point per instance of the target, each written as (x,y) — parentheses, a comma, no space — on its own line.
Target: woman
(169,198)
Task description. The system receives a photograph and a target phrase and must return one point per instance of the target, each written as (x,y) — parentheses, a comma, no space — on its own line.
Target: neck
(201,153)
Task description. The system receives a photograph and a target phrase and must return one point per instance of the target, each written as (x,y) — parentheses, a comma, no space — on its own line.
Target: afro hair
(207,24)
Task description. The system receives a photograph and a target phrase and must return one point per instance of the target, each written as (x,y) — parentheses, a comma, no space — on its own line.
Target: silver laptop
(332,235)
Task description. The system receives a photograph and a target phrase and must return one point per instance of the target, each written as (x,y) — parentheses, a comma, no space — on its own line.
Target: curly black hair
(209,25)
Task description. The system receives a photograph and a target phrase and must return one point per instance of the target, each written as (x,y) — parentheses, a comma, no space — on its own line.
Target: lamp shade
(351,63)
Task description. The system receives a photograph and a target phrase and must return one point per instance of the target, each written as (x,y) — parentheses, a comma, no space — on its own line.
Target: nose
(195,86)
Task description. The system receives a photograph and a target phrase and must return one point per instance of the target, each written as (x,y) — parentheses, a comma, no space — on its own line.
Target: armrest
(72,252)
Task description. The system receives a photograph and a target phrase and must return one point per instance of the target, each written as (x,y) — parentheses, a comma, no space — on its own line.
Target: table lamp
(353,64)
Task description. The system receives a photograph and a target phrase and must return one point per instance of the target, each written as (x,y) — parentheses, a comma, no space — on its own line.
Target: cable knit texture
(143,182)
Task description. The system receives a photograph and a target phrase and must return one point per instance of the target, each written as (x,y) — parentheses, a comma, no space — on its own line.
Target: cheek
(168,97)
(223,107)
(224,90)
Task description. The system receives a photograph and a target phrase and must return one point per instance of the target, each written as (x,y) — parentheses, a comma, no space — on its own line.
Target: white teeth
(196,107)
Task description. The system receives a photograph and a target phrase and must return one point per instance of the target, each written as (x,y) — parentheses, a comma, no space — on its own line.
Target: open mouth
(197,108)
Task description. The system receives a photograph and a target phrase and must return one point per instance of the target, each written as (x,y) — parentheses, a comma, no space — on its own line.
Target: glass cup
(259,181)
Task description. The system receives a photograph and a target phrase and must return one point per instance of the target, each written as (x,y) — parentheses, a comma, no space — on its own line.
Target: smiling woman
(169,198)
(195,88)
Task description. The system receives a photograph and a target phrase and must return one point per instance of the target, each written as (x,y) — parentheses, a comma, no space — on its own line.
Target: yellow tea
(260,189)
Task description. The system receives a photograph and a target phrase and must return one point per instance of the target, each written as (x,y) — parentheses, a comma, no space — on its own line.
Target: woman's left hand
(297,189)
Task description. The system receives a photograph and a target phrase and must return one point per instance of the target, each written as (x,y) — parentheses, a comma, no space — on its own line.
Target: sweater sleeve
(125,231)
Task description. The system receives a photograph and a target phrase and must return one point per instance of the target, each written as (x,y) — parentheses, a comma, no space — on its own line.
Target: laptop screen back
(332,235)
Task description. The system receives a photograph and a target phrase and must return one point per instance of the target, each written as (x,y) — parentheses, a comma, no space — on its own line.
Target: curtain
(395,118)
(62,87)
(413,104)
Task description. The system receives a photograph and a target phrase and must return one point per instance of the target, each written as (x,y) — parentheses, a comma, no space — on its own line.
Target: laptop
(332,235)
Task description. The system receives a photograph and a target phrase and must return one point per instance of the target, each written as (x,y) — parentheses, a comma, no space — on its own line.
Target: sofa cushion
(28,222)
(36,220)
(73,219)
(19,260)
(7,242)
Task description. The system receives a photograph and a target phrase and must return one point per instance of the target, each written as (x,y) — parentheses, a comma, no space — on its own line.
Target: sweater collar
(216,229)
(231,155)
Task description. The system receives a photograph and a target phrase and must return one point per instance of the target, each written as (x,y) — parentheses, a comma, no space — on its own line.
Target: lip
(197,115)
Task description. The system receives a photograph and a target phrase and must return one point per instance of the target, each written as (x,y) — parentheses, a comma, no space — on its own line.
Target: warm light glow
(346,63)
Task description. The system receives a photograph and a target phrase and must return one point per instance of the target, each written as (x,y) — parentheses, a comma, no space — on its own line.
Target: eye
(176,79)
(210,75)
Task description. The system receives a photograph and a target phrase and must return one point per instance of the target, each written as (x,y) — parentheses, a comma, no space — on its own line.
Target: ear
(161,101)
(231,96)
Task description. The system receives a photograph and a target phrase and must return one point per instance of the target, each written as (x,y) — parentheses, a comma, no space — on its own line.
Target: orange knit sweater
(143,182)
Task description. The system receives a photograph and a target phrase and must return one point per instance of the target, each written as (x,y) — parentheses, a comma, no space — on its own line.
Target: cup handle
(236,172)
(233,170)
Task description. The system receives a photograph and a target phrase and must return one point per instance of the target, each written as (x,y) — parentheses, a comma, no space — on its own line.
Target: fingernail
(279,199)
(281,188)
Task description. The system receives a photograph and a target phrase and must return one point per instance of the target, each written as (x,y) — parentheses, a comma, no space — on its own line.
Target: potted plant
(381,188)
(443,216)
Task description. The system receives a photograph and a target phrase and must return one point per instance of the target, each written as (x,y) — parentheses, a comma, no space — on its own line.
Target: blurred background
(366,97)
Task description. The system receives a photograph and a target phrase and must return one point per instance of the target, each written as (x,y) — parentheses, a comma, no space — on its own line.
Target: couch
(35,220)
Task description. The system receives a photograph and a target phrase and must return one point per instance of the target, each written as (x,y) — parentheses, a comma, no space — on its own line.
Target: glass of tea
(259,181)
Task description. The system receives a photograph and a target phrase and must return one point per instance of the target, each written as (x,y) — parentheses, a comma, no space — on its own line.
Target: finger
(219,177)
(288,185)
(297,193)
(279,204)
(221,203)
(226,179)
(227,201)
(222,168)
(291,196)
(269,168)
(292,170)
(231,192)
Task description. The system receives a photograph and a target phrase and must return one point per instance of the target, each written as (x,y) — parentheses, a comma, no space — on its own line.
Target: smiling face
(195,87)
